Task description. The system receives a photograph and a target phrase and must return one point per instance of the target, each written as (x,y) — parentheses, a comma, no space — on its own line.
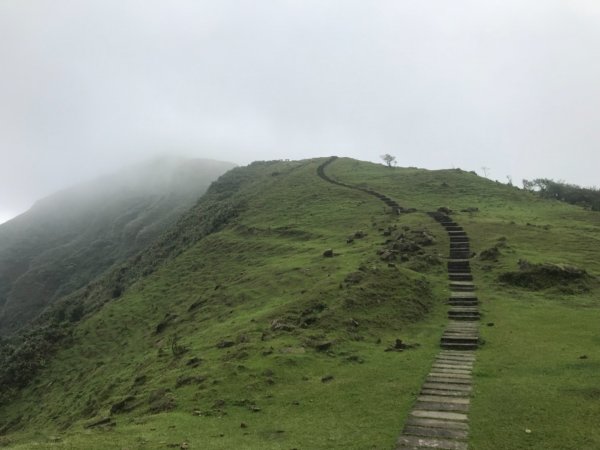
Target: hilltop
(286,311)
(67,239)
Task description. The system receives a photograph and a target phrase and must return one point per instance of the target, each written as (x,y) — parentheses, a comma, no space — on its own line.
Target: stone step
(454,367)
(441,373)
(460,302)
(460,253)
(440,415)
(448,380)
(463,389)
(453,228)
(459,270)
(435,432)
(455,346)
(448,223)
(437,423)
(464,365)
(439,406)
(464,253)
(460,326)
(464,318)
(454,360)
(444,399)
(457,394)
(470,356)
(458,240)
(437,369)
(416,442)
(461,266)
(462,295)
(462,310)
(460,277)
(461,288)
(459,315)
(457,233)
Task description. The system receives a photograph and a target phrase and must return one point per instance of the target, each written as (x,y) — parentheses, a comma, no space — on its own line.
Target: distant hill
(67,239)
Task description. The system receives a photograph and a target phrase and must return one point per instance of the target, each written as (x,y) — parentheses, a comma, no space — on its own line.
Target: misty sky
(87,86)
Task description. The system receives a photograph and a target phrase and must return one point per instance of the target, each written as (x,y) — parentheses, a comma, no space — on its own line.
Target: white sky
(88,86)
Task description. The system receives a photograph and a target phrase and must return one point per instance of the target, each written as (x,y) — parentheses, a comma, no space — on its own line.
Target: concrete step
(460,276)
(462,302)
(464,317)
(459,346)
(435,432)
(418,442)
(461,288)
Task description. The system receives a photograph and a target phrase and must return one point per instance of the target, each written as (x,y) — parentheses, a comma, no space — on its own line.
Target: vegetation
(68,239)
(235,331)
(589,198)
(389,159)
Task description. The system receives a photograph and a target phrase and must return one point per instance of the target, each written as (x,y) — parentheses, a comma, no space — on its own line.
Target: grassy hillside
(66,240)
(237,332)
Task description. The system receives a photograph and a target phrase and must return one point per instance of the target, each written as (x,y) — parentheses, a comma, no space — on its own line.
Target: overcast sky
(87,86)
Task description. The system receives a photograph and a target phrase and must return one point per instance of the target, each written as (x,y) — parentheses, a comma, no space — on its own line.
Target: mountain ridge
(70,237)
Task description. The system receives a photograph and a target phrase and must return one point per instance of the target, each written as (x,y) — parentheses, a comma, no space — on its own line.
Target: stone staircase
(439,419)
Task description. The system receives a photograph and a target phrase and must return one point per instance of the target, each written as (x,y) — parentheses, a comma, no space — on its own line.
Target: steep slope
(69,238)
(235,331)
(248,322)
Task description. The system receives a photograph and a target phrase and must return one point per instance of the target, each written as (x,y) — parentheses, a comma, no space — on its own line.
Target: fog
(89,86)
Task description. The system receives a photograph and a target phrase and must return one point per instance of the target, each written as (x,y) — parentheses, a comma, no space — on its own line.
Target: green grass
(266,266)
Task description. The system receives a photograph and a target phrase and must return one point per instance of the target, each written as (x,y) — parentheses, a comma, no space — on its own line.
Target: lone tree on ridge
(389,159)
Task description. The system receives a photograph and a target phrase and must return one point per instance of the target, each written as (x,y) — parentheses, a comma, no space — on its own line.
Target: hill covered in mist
(67,239)
(290,307)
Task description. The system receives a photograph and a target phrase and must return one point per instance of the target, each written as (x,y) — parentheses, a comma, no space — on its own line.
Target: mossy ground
(266,269)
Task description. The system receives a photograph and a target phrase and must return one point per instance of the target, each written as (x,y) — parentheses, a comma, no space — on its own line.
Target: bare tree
(485,171)
(389,159)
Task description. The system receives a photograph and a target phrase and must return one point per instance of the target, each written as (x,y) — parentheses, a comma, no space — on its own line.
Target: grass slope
(288,319)
(303,362)
(538,369)
(66,240)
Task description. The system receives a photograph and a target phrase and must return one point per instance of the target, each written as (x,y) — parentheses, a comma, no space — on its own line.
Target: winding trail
(439,418)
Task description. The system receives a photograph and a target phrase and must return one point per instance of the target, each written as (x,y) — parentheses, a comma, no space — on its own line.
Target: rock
(243,425)
(388,255)
(125,405)
(349,241)
(323,346)
(583,357)
(444,210)
(354,277)
(470,210)
(184,446)
(490,324)
(359,234)
(225,344)
(99,422)
(278,325)
(194,362)
(328,253)
(400,346)
(327,379)
(491,254)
